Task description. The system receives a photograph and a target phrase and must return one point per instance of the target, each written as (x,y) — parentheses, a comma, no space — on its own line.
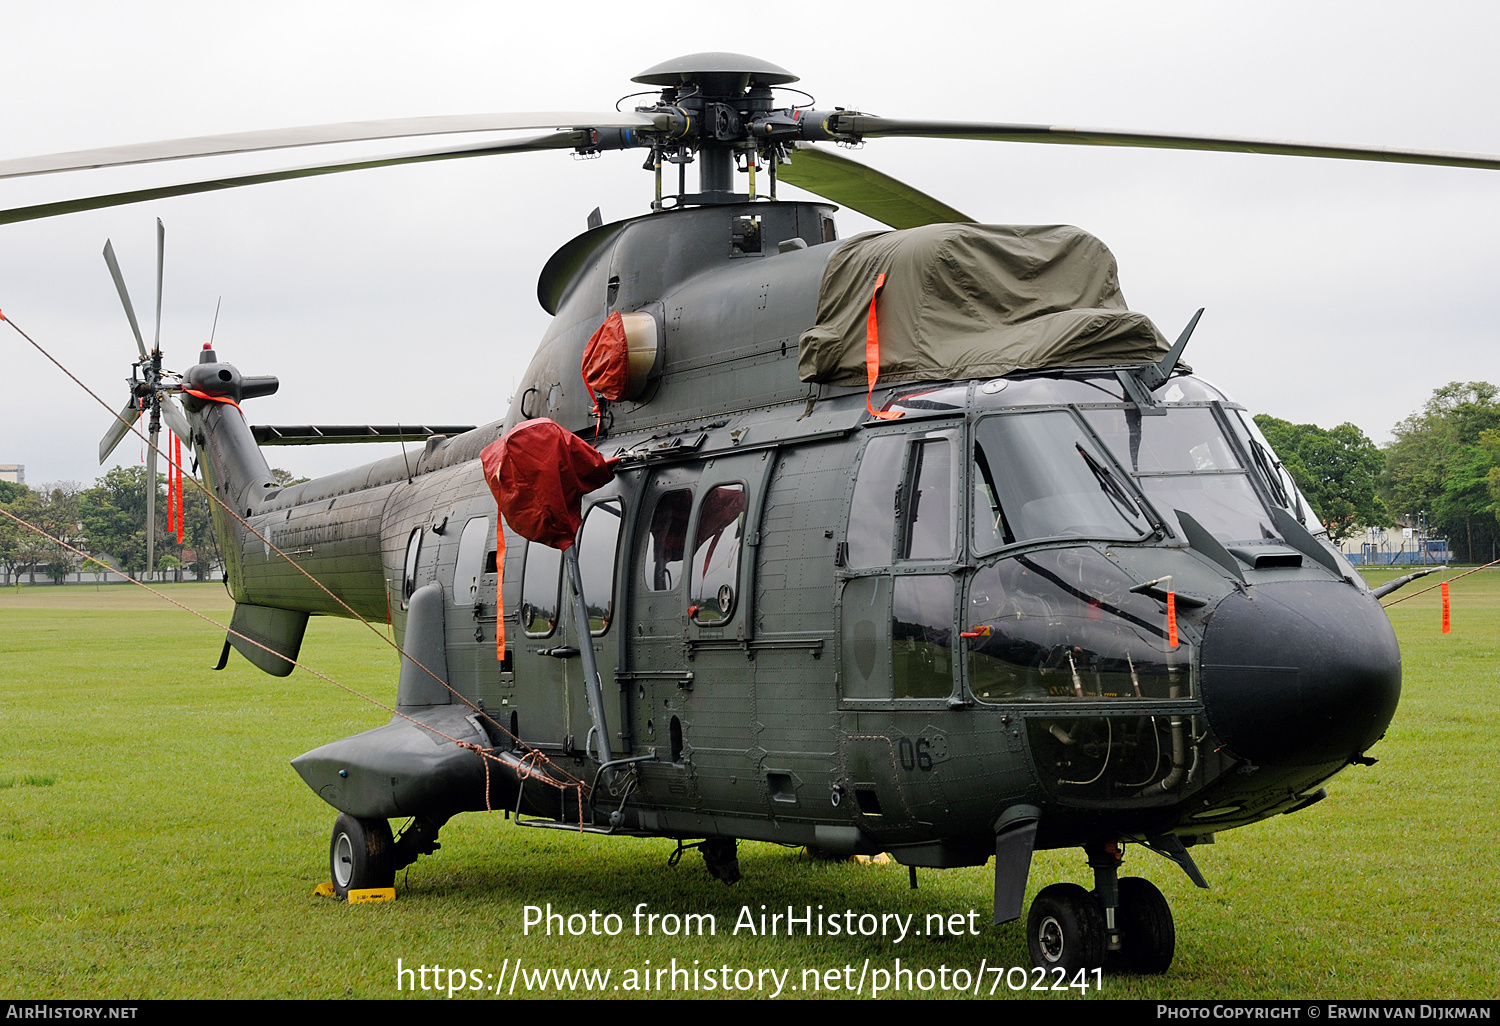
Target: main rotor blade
(873,127)
(862,188)
(161,248)
(311,135)
(114,272)
(550,141)
(118,430)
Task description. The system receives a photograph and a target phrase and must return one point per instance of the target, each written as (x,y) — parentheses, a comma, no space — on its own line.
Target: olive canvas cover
(973,301)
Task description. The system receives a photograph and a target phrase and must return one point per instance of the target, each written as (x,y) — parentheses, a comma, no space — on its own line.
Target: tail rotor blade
(114,271)
(161,246)
(118,430)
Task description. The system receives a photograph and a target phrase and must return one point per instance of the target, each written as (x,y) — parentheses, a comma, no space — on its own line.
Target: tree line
(108,519)
(1441,470)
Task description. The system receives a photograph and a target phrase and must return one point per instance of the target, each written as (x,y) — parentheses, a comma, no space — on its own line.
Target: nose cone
(1300,673)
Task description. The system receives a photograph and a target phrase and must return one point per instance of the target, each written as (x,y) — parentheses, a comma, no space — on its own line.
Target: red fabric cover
(539,473)
(606,361)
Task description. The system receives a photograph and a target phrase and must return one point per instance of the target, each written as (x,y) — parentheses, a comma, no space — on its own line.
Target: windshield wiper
(1001,523)
(1290,498)
(1107,482)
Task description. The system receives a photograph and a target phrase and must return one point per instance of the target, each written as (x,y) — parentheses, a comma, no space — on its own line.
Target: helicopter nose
(1300,673)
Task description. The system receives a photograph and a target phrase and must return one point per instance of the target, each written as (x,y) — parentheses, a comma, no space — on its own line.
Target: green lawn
(155,843)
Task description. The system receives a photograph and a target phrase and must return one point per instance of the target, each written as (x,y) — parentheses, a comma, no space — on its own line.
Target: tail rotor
(151,393)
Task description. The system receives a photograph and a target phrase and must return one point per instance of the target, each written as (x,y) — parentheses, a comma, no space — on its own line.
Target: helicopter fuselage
(1025,598)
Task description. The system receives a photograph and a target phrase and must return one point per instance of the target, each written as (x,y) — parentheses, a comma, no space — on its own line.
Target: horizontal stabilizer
(328,434)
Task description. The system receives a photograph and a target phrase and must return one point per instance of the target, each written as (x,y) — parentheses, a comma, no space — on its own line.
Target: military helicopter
(917,542)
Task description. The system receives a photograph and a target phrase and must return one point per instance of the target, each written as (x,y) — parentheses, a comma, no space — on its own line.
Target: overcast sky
(1335,291)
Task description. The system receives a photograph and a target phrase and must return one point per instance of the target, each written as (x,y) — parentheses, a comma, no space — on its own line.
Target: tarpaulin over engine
(973,301)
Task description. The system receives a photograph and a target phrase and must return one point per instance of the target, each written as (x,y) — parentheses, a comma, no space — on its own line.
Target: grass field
(155,843)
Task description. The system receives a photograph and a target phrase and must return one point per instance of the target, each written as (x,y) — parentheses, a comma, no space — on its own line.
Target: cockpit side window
(922,636)
(872,516)
(930,517)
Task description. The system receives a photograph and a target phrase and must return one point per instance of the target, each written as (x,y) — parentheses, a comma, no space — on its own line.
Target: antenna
(215,329)
(401,436)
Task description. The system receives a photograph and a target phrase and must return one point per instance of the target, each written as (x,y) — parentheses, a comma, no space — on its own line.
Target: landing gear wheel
(720,858)
(1065,929)
(1148,937)
(360,855)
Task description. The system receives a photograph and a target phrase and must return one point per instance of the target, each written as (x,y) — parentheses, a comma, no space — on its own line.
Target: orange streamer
(1171,619)
(177,448)
(1446,622)
(872,354)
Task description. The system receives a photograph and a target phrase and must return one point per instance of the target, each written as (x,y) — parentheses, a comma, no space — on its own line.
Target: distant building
(1376,546)
(13,472)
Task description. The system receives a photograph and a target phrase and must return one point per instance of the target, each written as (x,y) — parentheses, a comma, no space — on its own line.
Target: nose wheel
(1065,929)
(1148,937)
(1124,925)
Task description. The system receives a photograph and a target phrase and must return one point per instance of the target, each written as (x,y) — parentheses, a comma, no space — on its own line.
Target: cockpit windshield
(1040,475)
(1181,459)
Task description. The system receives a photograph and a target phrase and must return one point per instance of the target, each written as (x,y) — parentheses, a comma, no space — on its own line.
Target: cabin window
(716,553)
(922,637)
(598,541)
(409,568)
(541,586)
(872,515)
(667,539)
(470,564)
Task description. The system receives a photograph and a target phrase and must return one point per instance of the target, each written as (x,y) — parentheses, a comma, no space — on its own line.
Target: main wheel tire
(361,855)
(1065,929)
(1148,937)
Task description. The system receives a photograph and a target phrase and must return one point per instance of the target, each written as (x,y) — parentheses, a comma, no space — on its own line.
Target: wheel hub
(1050,936)
(343,860)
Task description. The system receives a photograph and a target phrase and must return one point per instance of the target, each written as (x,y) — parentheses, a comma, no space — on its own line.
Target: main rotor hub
(718,108)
